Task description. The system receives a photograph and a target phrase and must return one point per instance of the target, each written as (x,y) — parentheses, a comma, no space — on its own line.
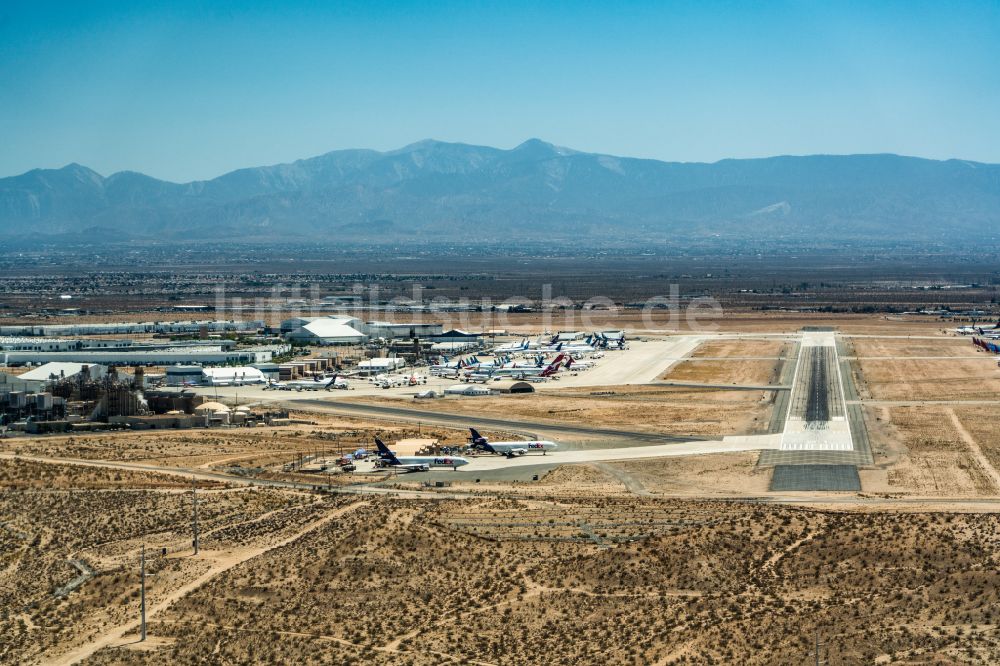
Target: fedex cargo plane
(510,449)
(416,463)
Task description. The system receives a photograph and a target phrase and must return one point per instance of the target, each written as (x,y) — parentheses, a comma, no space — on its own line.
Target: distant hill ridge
(433,190)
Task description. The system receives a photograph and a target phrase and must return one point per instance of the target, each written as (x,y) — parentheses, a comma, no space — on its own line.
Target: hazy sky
(190,90)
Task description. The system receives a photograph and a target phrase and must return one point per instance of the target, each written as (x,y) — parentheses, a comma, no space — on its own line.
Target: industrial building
(270,371)
(325,331)
(78,397)
(42,344)
(9,382)
(456,347)
(374,366)
(203,354)
(192,375)
(37,379)
(331,330)
(234,376)
(466,389)
(393,331)
(39,344)
(133,328)
(458,335)
(62,370)
(511,386)
(306,367)
(289,325)
(183,375)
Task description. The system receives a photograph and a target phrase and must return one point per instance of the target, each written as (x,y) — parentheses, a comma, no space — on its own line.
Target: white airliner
(522,372)
(416,463)
(516,347)
(974,329)
(510,449)
(317,384)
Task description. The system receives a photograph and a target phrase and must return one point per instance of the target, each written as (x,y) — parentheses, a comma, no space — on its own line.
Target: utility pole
(142,592)
(817,645)
(194,512)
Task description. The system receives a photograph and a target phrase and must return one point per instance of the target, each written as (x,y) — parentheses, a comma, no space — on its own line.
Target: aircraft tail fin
(553,366)
(480,442)
(385,453)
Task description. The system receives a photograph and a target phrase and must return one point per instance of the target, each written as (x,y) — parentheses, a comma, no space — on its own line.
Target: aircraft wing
(420,467)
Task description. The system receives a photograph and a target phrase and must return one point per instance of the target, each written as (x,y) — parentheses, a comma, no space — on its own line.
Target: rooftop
(58,369)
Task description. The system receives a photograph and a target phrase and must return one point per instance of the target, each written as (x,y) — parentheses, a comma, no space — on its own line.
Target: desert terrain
(673,560)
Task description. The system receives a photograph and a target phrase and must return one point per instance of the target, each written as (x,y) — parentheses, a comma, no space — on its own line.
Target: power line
(142,593)
(816,647)
(194,512)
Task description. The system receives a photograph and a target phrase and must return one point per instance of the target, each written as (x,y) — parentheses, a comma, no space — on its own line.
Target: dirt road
(115,636)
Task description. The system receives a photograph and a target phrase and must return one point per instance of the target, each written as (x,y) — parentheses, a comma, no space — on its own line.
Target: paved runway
(817,418)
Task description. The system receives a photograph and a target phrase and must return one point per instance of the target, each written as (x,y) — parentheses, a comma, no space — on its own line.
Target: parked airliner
(510,449)
(416,463)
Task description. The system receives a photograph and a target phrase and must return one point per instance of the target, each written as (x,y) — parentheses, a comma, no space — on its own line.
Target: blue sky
(186,90)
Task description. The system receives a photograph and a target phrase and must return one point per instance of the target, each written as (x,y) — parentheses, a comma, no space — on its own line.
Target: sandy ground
(742,347)
(737,372)
(677,411)
(953,379)
(593,549)
(218,563)
(934,450)
(874,348)
(705,475)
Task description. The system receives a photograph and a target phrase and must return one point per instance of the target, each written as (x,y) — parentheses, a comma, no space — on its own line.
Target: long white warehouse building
(132,328)
(200,355)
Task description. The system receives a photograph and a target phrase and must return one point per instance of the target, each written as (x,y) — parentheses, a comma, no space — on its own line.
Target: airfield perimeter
(654,534)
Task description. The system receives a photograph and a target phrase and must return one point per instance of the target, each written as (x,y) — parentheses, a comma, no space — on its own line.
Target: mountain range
(436,191)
